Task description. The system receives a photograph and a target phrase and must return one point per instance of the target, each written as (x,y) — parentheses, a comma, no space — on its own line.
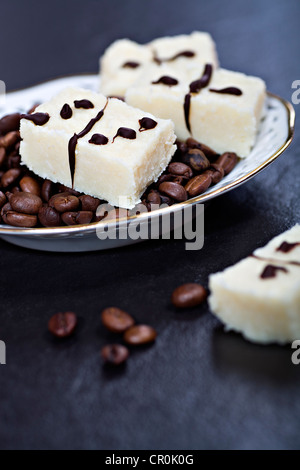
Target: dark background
(197,387)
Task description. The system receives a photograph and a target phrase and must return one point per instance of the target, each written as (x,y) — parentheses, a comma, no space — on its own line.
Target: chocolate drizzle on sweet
(166,80)
(84,104)
(126,133)
(271,271)
(146,124)
(231,90)
(131,65)
(203,82)
(66,112)
(39,119)
(286,247)
(73,141)
(186,107)
(98,139)
(195,87)
(187,54)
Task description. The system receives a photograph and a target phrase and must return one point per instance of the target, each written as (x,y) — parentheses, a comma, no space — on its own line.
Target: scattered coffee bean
(15,190)
(9,123)
(10,177)
(20,220)
(116,320)
(180,169)
(49,217)
(154,197)
(188,295)
(114,354)
(30,185)
(26,203)
(166,200)
(5,209)
(77,218)
(47,189)
(62,324)
(194,144)
(2,155)
(216,172)
(66,203)
(140,334)
(227,161)
(13,161)
(89,203)
(163,178)
(198,184)
(173,190)
(196,159)
(2,199)
(8,140)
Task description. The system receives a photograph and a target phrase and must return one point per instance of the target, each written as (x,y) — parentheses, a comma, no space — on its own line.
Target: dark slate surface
(198,387)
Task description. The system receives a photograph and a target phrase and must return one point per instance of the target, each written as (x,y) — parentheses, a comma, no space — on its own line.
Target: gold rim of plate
(88,228)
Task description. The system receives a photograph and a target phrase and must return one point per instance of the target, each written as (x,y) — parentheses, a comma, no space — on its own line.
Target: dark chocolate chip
(84,104)
(146,124)
(39,119)
(98,139)
(165,80)
(126,133)
(66,111)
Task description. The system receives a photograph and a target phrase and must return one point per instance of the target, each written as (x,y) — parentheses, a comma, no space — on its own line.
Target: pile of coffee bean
(115,320)
(27,200)
(188,295)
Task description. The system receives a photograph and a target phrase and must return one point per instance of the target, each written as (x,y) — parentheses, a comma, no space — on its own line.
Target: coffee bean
(57,195)
(30,185)
(194,144)
(198,185)
(9,123)
(166,200)
(116,320)
(2,155)
(227,161)
(180,169)
(66,203)
(10,177)
(196,159)
(188,295)
(163,178)
(140,334)
(114,354)
(47,189)
(182,147)
(5,209)
(89,203)
(153,197)
(26,203)
(179,180)
(13,161)
(2,199)
(49,217)
(62,324)
(9,139)
(216,172)
(20,220)
(77,218)
(15,190)
(173,190)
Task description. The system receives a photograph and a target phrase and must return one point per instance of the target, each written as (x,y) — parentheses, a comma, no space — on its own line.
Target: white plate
(274,136)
